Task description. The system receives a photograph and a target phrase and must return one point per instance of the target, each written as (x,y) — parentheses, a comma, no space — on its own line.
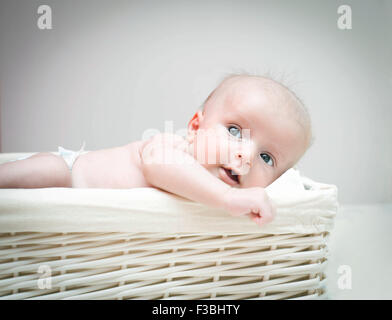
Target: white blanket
(303,206)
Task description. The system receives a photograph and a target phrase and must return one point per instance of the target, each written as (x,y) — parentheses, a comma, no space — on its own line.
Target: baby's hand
(250,201)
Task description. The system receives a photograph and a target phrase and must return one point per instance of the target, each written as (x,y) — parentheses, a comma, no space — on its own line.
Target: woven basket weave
(56,255)
(153,266)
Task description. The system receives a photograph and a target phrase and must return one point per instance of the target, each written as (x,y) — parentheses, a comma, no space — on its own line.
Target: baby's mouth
(229,176)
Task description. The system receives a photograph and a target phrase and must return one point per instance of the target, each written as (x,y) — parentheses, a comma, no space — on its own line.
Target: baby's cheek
(205,149)
(213,169)
(224,151)
(257,177)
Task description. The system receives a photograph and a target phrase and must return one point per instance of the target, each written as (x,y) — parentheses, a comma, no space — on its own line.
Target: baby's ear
(194,124)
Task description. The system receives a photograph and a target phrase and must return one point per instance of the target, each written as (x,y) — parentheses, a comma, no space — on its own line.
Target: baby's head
(250,131)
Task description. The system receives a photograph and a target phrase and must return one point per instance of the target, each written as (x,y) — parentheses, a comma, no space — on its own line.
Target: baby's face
(245,140)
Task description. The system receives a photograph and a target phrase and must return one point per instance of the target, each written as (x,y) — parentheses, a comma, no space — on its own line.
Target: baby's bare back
(117,168)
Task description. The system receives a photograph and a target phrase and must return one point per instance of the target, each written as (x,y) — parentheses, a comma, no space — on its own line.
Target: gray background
(109,70)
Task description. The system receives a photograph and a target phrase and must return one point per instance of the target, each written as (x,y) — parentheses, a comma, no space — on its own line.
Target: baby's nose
(243,156)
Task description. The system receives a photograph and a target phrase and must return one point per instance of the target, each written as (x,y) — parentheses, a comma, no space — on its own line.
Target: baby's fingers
(266,215)
(255,217)
(269,212)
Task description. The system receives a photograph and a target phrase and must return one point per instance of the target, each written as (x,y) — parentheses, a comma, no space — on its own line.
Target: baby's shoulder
(169,139)
(162,141)
(166,141)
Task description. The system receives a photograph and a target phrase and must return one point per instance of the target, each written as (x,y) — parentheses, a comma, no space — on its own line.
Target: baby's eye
(234,131)
(267,159)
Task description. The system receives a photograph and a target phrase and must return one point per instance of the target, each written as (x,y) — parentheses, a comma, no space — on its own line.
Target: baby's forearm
(168,164)
(178,172)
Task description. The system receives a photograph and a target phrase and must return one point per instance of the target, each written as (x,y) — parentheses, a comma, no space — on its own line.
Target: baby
(250,131)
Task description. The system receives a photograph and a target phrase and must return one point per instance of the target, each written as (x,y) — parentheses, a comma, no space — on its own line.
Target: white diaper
(69,156)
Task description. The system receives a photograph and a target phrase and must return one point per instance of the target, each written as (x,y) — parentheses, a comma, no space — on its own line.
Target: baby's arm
(166,164)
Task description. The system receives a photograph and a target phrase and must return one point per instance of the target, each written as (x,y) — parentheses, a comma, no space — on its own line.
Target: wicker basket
(59,243)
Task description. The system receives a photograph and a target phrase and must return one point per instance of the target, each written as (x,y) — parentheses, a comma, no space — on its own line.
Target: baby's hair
(274,87)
